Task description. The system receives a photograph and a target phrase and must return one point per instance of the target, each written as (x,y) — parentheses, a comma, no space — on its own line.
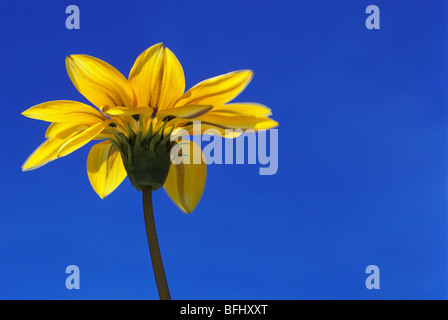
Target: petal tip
(185,209)
(159,46)
(73,58)
(249,72)
(25,167)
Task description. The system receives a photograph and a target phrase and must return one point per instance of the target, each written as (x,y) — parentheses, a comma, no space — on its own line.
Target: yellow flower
(140,114)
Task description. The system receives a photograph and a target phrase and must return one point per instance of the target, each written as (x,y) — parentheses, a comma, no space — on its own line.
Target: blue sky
(362,154)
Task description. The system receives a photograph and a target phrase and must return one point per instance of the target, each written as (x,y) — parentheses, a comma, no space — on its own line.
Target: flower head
(137,118)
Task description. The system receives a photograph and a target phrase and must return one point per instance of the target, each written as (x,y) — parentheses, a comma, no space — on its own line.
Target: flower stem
(156,258)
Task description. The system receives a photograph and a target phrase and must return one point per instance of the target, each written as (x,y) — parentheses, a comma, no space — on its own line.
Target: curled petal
(62,139)
(82,138)
(105,168)
(45,153)
(63,130)
(186,179)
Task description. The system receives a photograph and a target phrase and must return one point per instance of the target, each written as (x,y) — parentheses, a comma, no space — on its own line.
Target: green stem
(156,258)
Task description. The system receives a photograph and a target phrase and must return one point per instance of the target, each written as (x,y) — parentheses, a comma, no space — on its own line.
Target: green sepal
(148,164)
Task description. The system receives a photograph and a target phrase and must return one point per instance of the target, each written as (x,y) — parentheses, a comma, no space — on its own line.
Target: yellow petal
(266,124)
(64,111)
(187,112)
(105,168)
(63,130)
(253,109)
(218,90)
(186,181)
(157,78)
(119,111)
(212,130)
(99,82)
(46,152)
(82,138)
(237,121)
